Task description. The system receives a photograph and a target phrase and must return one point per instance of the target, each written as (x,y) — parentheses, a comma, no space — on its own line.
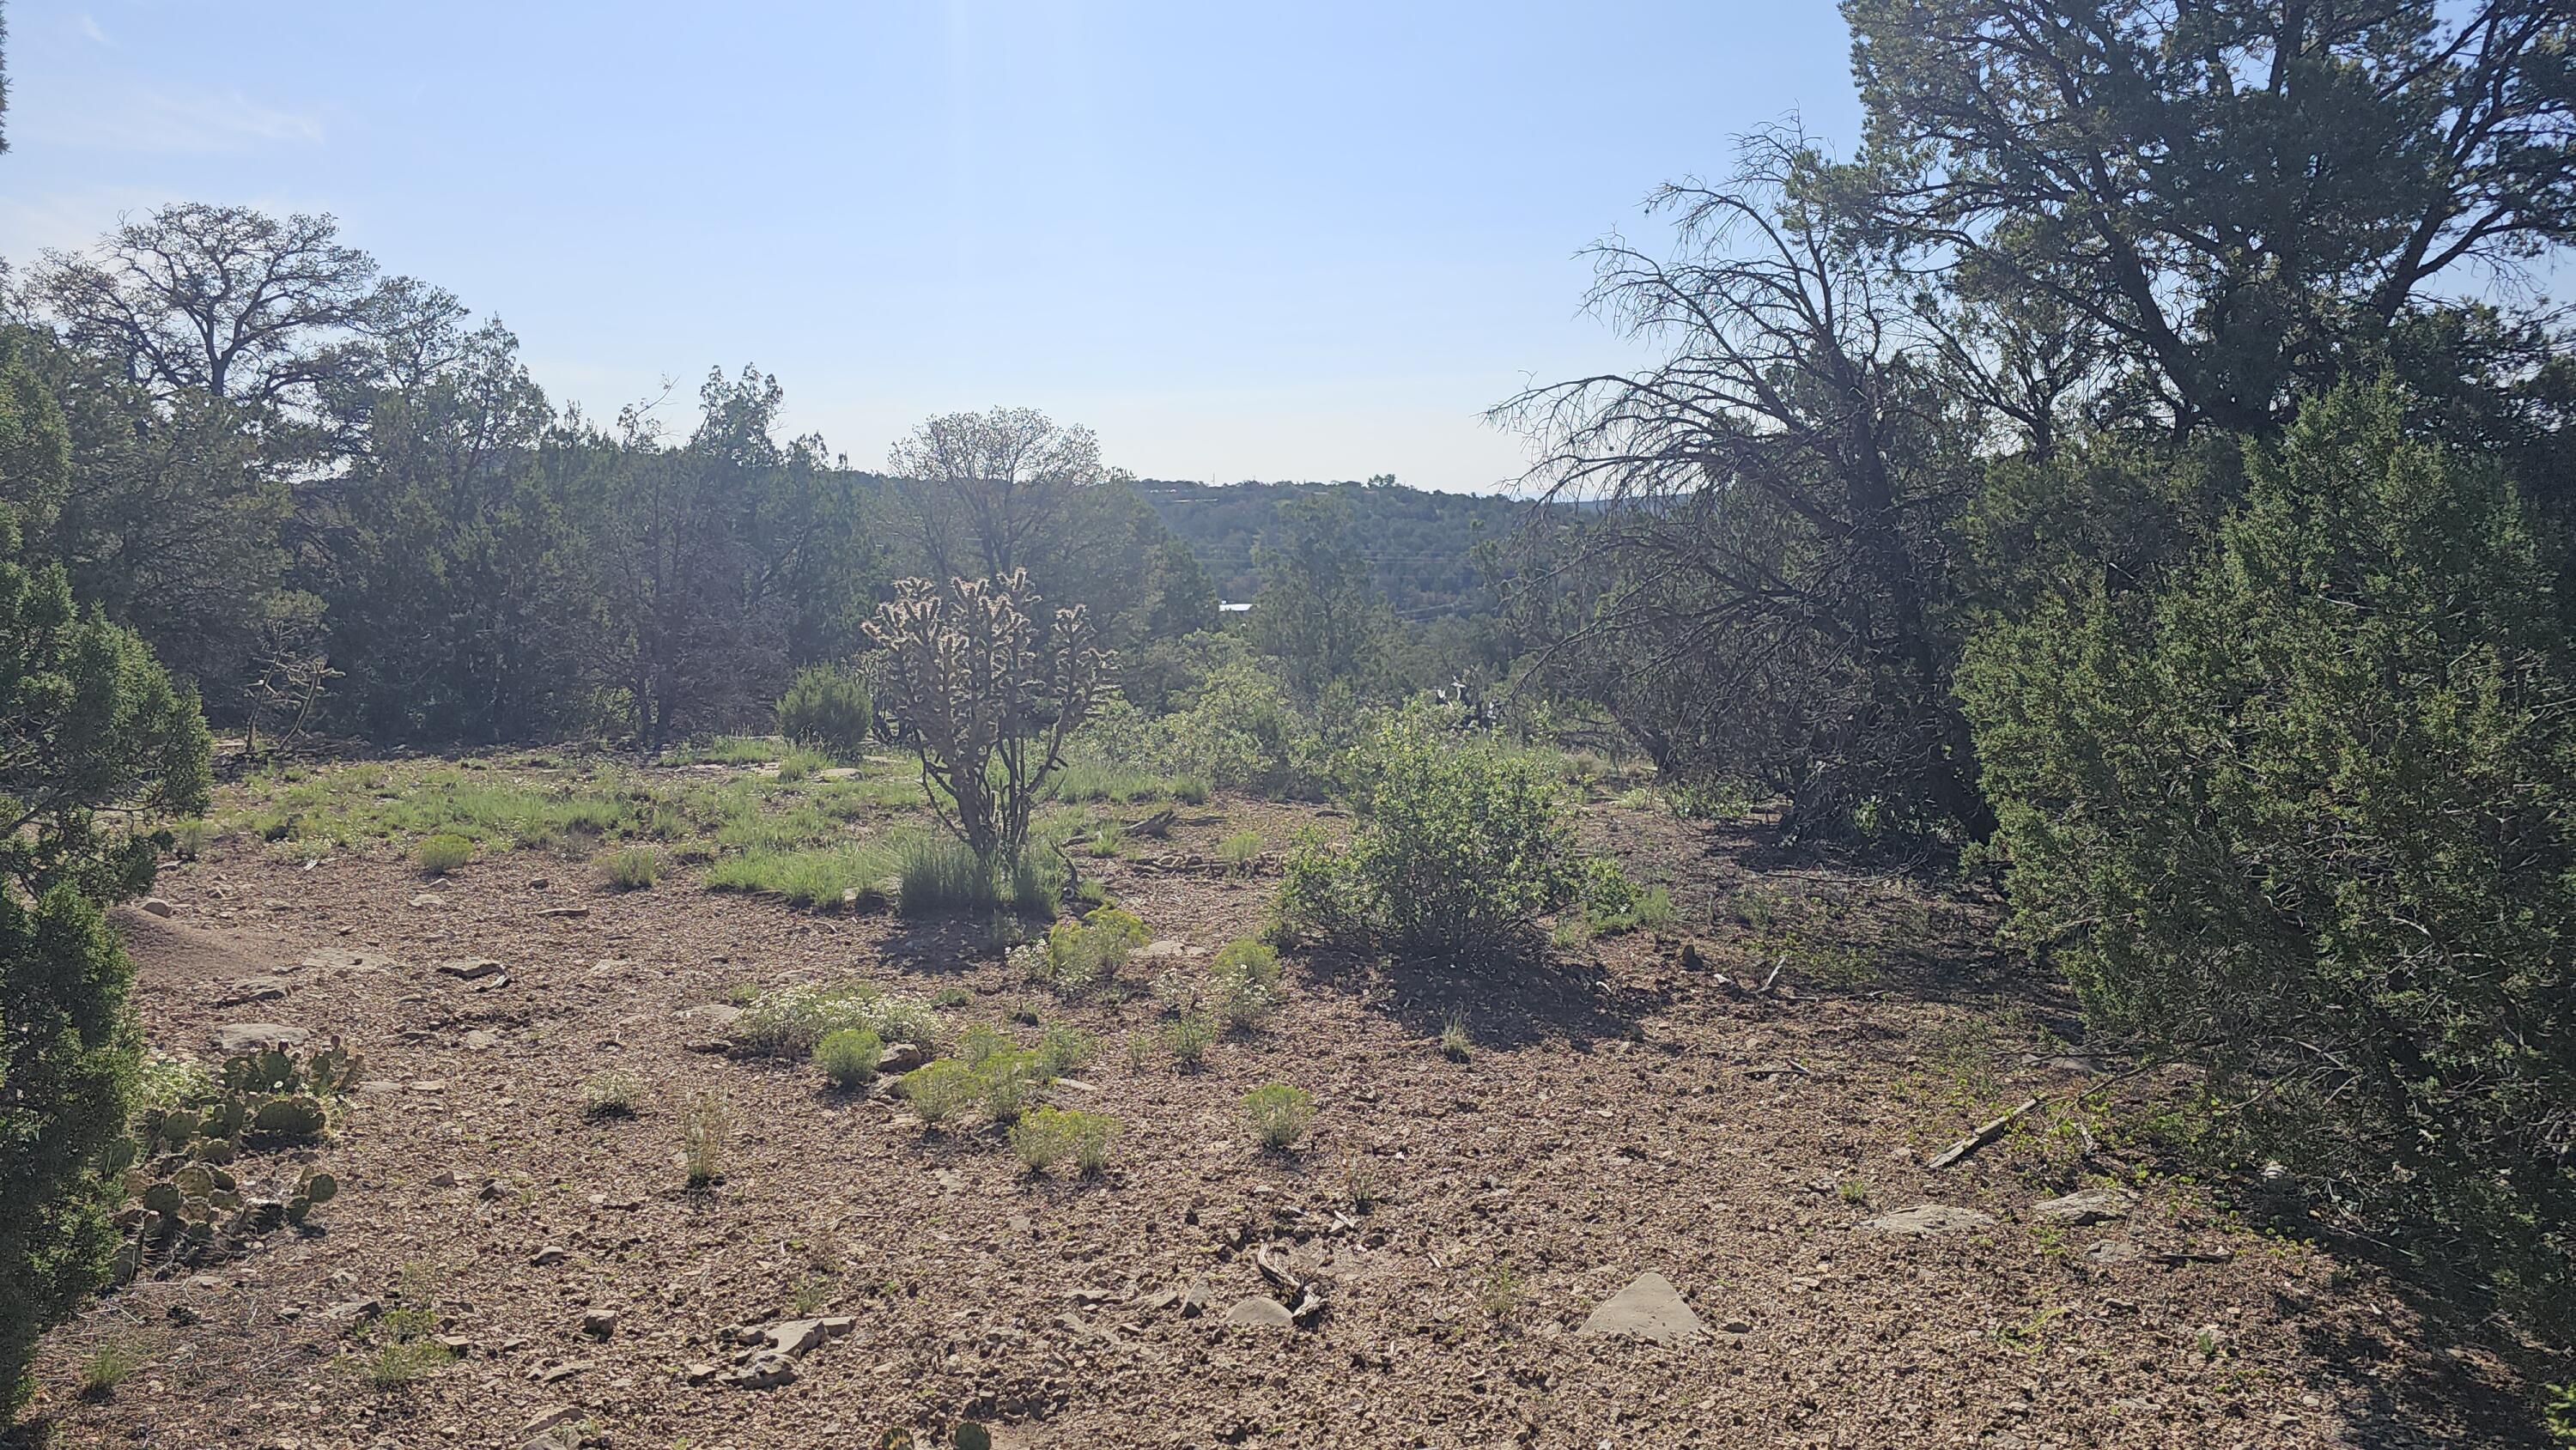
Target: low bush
(1008,1083)
(1045,1137)
(1081,955)
(611,1095)
(1461,844)
(1455,1044)
(940,1090)
(793,1021)
(1279,1112)
(1065,1048)
(827,709)
(847,1056)
(1189,1038)
(438,855)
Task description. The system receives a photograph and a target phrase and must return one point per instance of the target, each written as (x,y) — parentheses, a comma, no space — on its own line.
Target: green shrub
(981,1042)
(1461,844)
(1189,1038)
(189,838)
(1049,1134)
(2306,816)
(1044,1137)
(1257,959)
(1279,1113)
(1241,997)
(940,1090)
(1612,903)
(94,727)
(1065,1048)
(1085,954)
(1009,1082)
(793,1021)
(847,1056)
(827,709)
(440,854)
(632,869)
(106,1367)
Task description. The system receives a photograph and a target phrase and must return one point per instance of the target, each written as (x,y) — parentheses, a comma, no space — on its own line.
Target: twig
(1981,1137)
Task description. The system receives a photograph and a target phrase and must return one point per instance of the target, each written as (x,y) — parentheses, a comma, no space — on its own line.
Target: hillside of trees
(1420,544)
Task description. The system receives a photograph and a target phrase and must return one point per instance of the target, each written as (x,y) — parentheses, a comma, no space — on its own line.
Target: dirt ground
(1629,1108)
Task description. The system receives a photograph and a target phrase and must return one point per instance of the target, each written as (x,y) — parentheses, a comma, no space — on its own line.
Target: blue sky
(1238,241)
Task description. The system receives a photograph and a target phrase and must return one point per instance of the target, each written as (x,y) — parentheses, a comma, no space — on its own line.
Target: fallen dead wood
(1981,1137)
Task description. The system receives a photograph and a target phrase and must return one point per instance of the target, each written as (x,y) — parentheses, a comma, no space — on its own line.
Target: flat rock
(158,907)
(233,1037)
(429,901)
(466,969)
(480,1040)
(254,989)
(1649,1308)
(767,1370)
(1266,1313)
(2092,1205)
(900,1058)
(550,1254)
(1928,1220)
(2113,1251)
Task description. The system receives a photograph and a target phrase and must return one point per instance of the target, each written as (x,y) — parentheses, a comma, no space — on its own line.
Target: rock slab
(1929,1220)
(1649,1308)
(2091,1206)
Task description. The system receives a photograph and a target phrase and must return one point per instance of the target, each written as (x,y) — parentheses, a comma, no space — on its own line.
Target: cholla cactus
(989,693)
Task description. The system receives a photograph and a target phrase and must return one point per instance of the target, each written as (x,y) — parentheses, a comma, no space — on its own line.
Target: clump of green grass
(631,869)
(940,1090)
(729,750)
(980,1043)
(951,997)
(1065,1048)
(106,1367)
(1500,1290)
(1189,1037)
(1455,1044)
(706,1129)
(1279,1112)
(191,837)
(441,854)
(1239,852)
(611,1095)
(1044,1137)
(1649,910)
(1008,1082)
(397,1367)
(847,1056)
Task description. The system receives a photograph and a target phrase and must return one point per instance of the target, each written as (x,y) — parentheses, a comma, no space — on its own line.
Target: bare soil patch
(1628,1109)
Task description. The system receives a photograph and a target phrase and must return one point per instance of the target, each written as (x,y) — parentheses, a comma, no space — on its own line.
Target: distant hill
(1419,543)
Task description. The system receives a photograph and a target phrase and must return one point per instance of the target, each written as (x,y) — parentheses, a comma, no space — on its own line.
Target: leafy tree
(1316,612)
(985,491)
(223,301)
(2234,199)
(88,725)
(2307,816)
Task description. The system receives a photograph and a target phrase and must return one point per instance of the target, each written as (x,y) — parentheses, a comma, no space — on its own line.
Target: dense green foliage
(828,708)
(1461,845)
(2305,815)
(1419,547)
(87,722)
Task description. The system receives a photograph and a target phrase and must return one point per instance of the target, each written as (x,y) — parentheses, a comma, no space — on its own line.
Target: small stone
(2091,1206)
(1649,1308)
(702,1371)
(158,907)
(599,1324)
(1260,1312)
(238,1037)
(480,1040)
(355,1309)
(550,1254)
(428,901)
(2112,1251)
(901,1057)
(546,1420)
(555,1374)
(468,968)
(1928,1220)
(565,911)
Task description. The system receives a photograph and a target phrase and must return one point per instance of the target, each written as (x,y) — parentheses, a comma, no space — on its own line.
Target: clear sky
(1309,240)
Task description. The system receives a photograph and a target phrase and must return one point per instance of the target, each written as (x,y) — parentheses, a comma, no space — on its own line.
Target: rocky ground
(1656,1206)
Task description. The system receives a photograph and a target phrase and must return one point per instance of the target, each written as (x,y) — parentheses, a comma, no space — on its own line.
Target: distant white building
(1225,607)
